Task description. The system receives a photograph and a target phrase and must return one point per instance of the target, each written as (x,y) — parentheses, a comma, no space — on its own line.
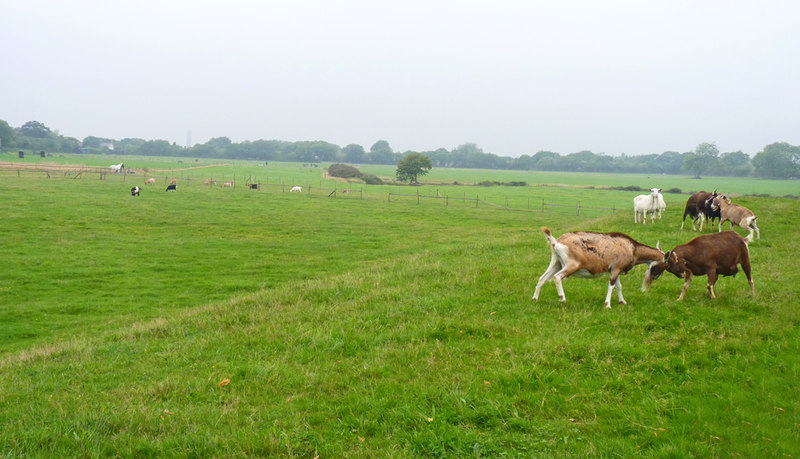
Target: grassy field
(230,323)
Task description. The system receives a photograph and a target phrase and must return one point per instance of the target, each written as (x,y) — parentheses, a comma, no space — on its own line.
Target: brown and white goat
(589,254)
(711,254)
(736,214)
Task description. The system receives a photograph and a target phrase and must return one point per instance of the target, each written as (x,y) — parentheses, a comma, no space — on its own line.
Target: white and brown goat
(736,214)
(590,254)
(711,254)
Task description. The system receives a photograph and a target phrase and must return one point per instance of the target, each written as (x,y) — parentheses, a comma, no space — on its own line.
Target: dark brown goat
(696,207)
(711,254)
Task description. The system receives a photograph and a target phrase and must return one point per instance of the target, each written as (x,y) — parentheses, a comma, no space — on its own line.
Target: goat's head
(714,202)
(670,263)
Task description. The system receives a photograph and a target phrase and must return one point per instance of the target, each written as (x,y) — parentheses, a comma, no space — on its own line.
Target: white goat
(736,214)
(662,206)
(150,181)
(227,185)
(298,189)
(588,254)
(647,203)
(117,168)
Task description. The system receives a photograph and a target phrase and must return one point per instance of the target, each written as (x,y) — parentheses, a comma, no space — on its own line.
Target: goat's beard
(648,277)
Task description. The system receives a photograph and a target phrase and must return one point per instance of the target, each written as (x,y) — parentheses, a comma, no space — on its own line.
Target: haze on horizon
(512,77)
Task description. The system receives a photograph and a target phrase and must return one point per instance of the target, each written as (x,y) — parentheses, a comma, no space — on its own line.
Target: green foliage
(413,166)
(412,336)
(343,171)
(778,160)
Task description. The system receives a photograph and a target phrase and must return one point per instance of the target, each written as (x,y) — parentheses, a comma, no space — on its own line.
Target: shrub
(371,179)
(344,171)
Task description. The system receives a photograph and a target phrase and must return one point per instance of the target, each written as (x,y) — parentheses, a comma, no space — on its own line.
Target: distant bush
(344,171)
(494,183)
(371,179)
(674,191)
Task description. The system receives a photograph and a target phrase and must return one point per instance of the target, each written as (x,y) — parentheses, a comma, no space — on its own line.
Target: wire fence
(254,183)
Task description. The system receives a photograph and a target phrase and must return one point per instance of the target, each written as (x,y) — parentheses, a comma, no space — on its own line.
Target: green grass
(363,328)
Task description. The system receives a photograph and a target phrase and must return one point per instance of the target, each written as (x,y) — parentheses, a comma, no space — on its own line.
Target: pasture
(237,323)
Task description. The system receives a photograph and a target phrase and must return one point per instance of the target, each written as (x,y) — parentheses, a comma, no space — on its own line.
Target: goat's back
(724,248)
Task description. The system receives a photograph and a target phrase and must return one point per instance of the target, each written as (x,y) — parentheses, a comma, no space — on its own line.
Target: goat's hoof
(623,302)
(562,299)
(608,305)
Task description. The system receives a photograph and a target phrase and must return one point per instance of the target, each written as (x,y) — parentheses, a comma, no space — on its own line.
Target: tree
(354,153)
(412,166)
(381,153)
(6,133)
(704,158)
(778,160)
(35,129)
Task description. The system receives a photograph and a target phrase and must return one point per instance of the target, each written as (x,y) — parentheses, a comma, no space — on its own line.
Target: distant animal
(150,181)
(710,254)
(252,186)
(117,167)
(172,187)
(736,214)
(590,254)
(645,203)
(695,208)
(210,182)
(227,185)
(135,191)
(298,189)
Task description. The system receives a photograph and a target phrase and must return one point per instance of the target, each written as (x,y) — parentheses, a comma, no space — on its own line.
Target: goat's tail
(748,239)
(550,239)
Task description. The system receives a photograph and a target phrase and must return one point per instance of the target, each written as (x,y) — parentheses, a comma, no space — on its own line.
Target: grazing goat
(695,207)
(135,191)
(589,254)
(150,181)
(647,203)
(736,214)
(298,189)
(252,186)
(172,187)
(227,185)
(117,168)
(710,254)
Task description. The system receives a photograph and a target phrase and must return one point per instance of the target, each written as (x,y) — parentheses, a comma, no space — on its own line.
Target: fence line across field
(104,173)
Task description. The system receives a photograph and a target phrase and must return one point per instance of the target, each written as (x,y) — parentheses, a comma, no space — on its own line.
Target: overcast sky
(513,77)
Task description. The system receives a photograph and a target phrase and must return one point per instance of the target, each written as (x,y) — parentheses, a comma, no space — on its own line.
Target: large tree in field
(704,158)
(411,166)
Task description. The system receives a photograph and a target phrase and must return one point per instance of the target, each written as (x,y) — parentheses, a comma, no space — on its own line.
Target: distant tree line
(777,160)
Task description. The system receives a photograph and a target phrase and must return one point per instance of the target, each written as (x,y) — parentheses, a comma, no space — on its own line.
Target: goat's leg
(712,280)
(548,274)
(613,281)
(565,272)
(686,283)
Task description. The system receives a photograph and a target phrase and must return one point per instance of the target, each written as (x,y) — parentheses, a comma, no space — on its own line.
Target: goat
(227,185)
(662,206)
(709,254)
(117,168)
(135,191)
(695,207)
(150,181)
(172,187)
(736,214)
(589,254)
(210,182)
(252,186)
(298,189)
(646,203)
